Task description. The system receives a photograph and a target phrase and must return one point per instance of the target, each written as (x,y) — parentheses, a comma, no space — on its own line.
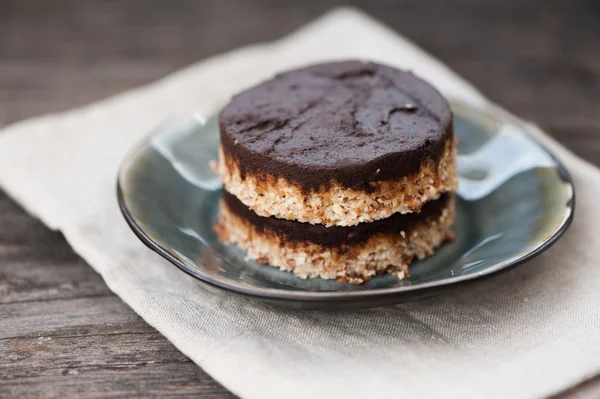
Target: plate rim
(348,296)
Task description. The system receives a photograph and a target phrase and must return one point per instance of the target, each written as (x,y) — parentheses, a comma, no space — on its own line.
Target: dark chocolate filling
(336,236)
(352,121)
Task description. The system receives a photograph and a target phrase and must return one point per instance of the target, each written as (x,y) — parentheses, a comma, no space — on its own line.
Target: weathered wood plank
(103,314)
(27,281)
(133,364)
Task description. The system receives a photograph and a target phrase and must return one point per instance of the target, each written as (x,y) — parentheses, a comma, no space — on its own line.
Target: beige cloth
(527,333)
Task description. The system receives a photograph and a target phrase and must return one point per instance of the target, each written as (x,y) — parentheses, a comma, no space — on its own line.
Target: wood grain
(62,332)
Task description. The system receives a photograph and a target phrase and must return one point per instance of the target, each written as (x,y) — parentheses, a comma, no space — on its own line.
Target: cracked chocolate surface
(352,122)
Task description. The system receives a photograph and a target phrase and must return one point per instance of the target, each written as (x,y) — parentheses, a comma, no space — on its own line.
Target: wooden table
(62,332)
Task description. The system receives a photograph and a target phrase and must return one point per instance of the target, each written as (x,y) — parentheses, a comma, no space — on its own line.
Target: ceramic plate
(515,200)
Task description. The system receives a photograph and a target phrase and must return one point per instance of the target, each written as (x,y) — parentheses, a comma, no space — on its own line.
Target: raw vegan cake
(339,170)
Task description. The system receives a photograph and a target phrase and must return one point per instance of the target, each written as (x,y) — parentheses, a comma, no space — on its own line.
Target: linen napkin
(530,332)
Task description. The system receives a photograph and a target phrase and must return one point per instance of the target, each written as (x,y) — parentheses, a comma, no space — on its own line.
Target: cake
(338,170)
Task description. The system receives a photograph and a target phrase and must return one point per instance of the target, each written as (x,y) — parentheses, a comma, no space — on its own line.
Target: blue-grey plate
(515,200)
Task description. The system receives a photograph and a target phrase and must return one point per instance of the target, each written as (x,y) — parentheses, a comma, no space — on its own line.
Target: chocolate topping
(353,122)
(336,236)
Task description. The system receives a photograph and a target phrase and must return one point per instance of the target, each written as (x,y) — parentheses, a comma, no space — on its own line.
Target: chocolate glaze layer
(354,122)
(336,236)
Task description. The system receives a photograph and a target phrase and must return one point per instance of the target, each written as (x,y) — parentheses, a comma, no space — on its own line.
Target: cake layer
(351,122)
(334,204)
(348,253)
